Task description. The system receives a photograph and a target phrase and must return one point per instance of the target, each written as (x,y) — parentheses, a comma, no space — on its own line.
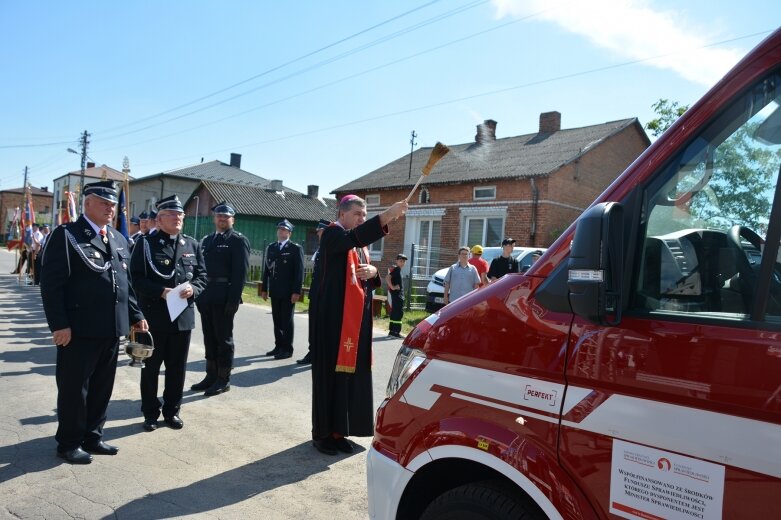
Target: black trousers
(397,311)
(218,334)
(170,348)
(85,379)
(282,313)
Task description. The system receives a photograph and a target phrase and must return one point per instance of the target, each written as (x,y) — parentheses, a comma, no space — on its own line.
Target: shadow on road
(231,487)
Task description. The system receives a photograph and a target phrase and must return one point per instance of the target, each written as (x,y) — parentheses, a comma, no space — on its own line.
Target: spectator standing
(283,277)
(226,253)
(461,278)
(395,290)
(480,263)
(505,263)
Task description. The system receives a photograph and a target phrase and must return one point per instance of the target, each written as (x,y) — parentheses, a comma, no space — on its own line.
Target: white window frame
(468,214)
(375,248)
(490,197)
(373,199)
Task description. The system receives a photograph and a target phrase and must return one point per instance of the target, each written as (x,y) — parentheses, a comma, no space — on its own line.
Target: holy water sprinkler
(437,153)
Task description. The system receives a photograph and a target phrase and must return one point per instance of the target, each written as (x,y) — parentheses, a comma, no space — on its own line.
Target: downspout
(162,185)
(535,199)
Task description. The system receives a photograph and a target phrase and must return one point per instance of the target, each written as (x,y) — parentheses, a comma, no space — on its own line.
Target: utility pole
(412,144)
(84,141)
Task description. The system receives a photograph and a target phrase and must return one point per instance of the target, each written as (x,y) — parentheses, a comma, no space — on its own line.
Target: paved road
(245,454)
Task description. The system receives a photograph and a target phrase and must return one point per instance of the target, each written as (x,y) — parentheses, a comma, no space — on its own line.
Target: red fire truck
(635,370)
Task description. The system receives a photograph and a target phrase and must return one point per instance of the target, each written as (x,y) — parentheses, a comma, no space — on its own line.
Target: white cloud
(634,30)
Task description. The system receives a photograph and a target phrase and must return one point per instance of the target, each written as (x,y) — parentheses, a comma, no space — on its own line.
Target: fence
(423,262)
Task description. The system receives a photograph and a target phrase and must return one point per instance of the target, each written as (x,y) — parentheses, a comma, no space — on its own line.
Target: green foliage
(668,112)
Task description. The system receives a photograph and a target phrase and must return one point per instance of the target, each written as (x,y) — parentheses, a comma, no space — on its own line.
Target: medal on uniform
(166,261)
(105,239)
(181,241)
(124,266)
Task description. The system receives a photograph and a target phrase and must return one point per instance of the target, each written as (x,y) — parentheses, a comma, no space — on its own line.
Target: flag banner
(121,216)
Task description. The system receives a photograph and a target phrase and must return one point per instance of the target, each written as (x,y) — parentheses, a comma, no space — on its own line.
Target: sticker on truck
(651,484)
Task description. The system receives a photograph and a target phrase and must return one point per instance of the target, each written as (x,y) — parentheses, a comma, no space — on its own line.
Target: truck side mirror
(596,264)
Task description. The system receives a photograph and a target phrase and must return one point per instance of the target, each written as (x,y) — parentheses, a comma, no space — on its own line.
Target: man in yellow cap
(480,263)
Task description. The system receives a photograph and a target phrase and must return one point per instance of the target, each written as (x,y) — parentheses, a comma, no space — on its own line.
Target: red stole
(354,297)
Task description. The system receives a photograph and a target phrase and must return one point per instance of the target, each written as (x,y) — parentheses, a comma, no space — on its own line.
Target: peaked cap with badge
(223,208)
(105,190)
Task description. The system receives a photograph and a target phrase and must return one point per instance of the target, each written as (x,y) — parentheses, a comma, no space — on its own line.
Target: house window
(372,200)
(486,231)
(375,248)
(485,193)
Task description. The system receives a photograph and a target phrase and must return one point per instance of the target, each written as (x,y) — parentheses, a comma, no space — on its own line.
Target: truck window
(707,215)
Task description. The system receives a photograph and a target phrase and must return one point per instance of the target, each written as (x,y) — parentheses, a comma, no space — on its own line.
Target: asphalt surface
(243,454)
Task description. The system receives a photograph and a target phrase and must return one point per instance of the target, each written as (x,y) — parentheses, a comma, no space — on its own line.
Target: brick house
(14,198)
(530,187)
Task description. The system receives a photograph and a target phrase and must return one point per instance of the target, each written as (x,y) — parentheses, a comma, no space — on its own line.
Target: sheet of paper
(176,304)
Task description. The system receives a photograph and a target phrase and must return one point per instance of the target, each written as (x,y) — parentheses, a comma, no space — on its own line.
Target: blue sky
(324,92)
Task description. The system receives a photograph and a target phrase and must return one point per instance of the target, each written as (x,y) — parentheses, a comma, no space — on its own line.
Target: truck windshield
(708,216)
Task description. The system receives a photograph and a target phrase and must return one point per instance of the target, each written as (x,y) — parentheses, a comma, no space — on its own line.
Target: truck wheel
(480,501)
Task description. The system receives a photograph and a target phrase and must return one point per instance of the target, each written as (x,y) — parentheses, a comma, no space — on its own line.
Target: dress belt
(218,279)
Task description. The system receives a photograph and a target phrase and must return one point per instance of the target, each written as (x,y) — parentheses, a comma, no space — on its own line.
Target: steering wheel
(748,274)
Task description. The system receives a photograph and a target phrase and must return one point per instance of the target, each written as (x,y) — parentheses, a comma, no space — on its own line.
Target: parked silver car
(435,291)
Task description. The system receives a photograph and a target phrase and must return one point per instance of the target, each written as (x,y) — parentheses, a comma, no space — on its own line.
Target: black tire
(481,501)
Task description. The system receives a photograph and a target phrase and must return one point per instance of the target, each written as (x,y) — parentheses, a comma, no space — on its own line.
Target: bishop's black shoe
(273,352)
(150,425)
(306,360)
(75,456)
(101,448)
(343,445)
(283,355)
(326,446)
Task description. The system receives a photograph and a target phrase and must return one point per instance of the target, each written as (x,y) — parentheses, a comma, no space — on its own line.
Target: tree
(668,112)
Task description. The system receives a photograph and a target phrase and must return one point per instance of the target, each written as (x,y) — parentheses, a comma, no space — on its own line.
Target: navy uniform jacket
(283,273)
(77,293)
(227,262)
(182,254)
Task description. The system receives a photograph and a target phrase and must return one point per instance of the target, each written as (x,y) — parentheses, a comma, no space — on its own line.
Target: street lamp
(84,158)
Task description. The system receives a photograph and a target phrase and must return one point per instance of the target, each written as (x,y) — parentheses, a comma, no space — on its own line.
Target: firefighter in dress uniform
(226,253)
(161,262)
(89,304)
(283,277)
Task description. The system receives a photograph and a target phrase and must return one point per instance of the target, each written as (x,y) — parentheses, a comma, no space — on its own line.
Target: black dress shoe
(343,445)
(327,446)
(283,355)
(101,448)
(306,360)
(273,352)
(174,422)
(75,456)
(150,425)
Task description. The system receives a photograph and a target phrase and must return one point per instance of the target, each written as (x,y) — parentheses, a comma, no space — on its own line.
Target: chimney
(235,160)
(45,188)
(486,132)
(550,122)
(312,191)
(275,185)
(90,165)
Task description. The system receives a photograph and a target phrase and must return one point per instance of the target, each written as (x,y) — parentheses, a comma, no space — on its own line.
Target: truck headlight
(408,360)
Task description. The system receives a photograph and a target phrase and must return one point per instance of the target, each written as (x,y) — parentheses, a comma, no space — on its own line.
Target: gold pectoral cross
(348,344)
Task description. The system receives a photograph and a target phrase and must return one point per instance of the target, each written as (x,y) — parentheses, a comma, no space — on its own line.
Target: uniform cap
(45,226)
(135,220)
(322,224)
(477,249)
(223,208)
(171,202)
(508,241)
(401,256)
(105,190)
(143,216)
(152,215)
(285,224)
